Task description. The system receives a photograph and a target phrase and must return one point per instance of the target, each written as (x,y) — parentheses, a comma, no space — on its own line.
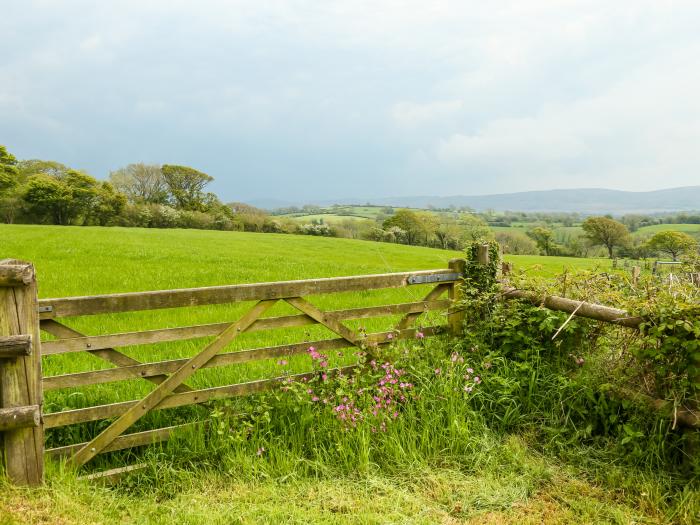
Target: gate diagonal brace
(323,318)
(163,390)
(110,355)
(409,319)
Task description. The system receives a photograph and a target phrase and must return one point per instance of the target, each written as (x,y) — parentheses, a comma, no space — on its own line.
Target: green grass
(74,261)
(329,218)
(687,228)
(441,463)
(539,265)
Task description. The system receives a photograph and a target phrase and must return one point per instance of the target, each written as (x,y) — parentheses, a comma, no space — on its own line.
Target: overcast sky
(308,100)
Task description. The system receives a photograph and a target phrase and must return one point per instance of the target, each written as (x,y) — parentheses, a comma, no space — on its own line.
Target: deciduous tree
(141,183)
(606,232)
(673,243)
(543,237)
(186,186)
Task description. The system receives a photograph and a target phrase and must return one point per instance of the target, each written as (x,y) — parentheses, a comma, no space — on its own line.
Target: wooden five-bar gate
(23,316)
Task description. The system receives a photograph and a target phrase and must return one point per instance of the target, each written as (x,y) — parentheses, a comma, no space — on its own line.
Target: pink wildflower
(282,362)
(437,371)
(470,370)
(420,335)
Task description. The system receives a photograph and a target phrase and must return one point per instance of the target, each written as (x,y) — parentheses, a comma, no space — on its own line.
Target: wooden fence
(23,315)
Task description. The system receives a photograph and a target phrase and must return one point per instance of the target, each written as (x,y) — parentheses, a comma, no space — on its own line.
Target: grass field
(687,228)
(330,218)
(450,469)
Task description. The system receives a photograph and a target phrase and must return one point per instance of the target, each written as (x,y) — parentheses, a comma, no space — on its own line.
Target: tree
(408,222)
(186,186)
(429,223)
(448,233)
(107,205)
(673,243)
(516,243)
(141,183)
(48,199)
(8,170)
(64,199)
(474,228)
(543,237)
(606,232)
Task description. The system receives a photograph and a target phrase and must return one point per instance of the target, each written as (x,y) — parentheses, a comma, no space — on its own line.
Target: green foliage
(607,232)
(141,183)
(544,238)
(408,222)
(673,243)
(186,187)
(481,278)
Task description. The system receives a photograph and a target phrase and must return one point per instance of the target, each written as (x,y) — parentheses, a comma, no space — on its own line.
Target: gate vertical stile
(20,374)
(456,314)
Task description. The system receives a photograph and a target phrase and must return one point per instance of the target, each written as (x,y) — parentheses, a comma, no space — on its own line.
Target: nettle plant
(662,357)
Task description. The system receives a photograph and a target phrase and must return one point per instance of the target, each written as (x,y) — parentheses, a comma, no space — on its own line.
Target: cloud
(320,99)
(408,114)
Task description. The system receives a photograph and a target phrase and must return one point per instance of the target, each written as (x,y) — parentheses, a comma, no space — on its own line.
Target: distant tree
(186,186)
(448,233)
(474,228)
(606,232)
(429,223)
(106,206)
(253,219)
(141,183)
(8,170)
(673,243)
(516,243)
(64,199)
(27,168)
(543,237)
(408,222)
(49,200)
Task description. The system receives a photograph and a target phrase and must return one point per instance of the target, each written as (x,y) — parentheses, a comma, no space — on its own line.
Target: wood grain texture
(92,343)
(20,383)
(15,345)
(19,417)
(133,301)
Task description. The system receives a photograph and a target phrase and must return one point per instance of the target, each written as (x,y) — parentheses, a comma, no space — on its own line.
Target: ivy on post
(455,315)
(20,374)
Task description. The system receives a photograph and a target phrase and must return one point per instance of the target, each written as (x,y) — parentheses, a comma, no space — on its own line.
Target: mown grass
(442,462)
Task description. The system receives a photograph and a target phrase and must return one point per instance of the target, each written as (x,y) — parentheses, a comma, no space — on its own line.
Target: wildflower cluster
(456,371)
(373,397)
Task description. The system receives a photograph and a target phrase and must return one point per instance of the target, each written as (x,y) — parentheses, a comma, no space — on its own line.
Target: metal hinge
(435,278)
(45,309)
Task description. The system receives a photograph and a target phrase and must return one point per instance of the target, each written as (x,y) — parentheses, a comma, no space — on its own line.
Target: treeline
(138,195)
(173,196)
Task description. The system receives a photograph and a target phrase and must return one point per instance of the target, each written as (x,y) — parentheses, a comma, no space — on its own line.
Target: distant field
(688,228)
(329,218)
(550,266)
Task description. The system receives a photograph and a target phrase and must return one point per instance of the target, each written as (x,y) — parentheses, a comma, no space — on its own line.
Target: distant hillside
(589,200)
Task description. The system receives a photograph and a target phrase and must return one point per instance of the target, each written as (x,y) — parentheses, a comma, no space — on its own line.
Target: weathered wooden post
(455,316)
(20,374)
(636,272)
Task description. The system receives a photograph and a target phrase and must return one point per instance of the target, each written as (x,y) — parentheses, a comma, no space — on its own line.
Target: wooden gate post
(455,316)
(20,374)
